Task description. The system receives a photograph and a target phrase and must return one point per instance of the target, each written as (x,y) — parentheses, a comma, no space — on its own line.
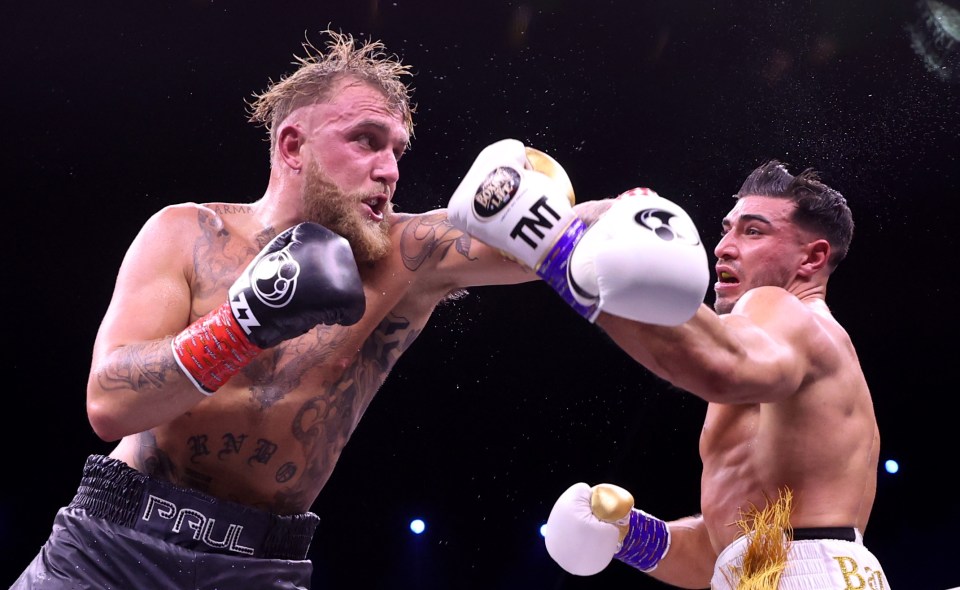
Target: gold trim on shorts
(769,533)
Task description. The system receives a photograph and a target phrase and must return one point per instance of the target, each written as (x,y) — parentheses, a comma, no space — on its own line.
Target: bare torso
(272,435)
(822,443)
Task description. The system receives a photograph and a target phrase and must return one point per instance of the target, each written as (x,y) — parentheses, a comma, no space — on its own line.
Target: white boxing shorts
(817,559)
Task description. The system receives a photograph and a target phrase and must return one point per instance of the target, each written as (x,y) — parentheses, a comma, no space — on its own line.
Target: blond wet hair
(316,76)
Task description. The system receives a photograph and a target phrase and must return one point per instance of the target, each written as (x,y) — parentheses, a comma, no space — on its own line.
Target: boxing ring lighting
(891,466)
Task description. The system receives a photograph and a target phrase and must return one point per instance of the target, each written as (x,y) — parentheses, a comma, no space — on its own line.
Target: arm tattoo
(424,235)
(218,256)
(215,263)
(139,367)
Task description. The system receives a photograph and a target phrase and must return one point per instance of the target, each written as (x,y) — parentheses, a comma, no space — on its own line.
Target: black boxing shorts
(124,529)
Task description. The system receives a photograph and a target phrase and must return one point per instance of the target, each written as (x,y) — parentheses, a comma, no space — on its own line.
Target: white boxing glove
(588,527)
(642,260)
(520,201)
(576,539)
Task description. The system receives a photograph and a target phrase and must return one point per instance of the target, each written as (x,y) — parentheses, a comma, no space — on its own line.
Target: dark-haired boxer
(790,442)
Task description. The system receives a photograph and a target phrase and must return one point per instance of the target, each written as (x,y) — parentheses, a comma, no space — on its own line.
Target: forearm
(135,387)
(590,211)
(690,561)
(693,356)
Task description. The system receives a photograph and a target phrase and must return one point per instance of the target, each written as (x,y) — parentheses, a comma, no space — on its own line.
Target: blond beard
(327,205)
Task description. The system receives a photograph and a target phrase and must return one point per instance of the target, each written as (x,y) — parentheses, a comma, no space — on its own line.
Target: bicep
(751,355)
(151,296)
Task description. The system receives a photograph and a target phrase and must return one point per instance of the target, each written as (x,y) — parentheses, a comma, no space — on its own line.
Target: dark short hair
(820,209)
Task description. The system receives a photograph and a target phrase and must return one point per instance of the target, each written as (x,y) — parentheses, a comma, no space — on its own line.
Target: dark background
(114,109)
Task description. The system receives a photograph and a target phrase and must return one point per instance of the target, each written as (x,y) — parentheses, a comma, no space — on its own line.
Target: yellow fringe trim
(769,534)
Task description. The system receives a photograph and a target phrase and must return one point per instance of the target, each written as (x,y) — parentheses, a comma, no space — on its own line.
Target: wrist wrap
(212,349)
(646,543)
(553,268)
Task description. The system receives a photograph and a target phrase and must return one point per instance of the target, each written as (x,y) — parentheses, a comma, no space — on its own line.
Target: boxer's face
(760,247)
(352,145)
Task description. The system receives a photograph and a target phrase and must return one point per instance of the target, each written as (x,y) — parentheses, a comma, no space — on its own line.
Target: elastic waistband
(827,532)
(112,490)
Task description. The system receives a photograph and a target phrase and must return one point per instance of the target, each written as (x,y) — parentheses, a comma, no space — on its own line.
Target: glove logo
(668,226)
(496,191)
(274,279)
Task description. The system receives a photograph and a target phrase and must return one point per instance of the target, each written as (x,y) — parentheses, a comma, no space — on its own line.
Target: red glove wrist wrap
(213,349)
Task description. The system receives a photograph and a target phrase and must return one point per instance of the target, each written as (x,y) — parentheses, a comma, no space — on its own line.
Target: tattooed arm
(134,382)
(458,259)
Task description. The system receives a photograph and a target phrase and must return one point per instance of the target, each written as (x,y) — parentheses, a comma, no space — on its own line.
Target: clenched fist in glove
(642,259)
(520,201)
(590,526)
(304,277)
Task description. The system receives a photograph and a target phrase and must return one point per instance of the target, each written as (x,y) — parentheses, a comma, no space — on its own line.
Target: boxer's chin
(372,240)
(369,240)
(340,212)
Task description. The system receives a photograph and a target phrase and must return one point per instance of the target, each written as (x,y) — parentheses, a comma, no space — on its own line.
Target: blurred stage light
(543,530)
(891,466)
(417,526)
(935,36)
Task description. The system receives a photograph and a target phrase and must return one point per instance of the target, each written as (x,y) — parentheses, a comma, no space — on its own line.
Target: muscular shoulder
(774,308)
(759,299)
(185,222)
(193,217)
(805,326)
(181,236)
(166,231)
(775,303)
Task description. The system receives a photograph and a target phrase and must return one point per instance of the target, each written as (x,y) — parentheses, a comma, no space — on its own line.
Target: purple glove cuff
(553,269)
(646,542)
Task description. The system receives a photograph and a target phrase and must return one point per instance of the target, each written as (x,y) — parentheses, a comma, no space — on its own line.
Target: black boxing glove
(305,276)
